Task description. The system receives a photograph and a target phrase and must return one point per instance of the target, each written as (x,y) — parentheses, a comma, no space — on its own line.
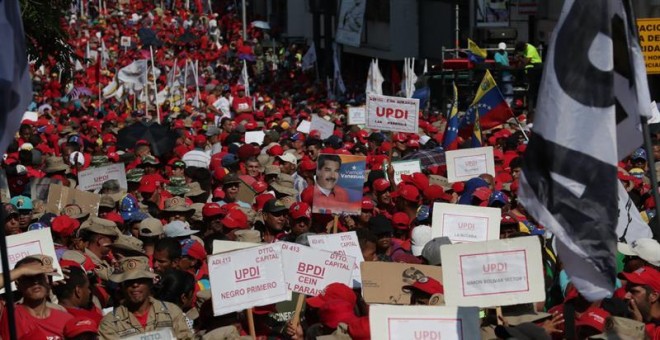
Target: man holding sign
(326,192)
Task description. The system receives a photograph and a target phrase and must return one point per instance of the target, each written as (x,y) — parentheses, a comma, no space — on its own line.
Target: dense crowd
(140,263)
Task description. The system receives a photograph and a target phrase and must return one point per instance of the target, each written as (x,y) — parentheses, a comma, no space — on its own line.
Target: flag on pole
(475,53)
(409,77)
(244,79)
(476,134)
(309,59)
(105,56)
(569,179)
(489,104)
(375,79)
(15,83)
(450,140)
(134,73)
(337,79)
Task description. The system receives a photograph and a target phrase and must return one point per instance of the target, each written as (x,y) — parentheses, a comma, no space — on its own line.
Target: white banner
(465,164)
(493,273)
(254,137)
(125,41)
(392,113)
(304,126)
(247,278)
(308,271)
(465,223)
(223,246)
(93,178)
(424,322)
(36,242)
(324,127)
(343,243)
(351,22)
(405,168)
(357,115)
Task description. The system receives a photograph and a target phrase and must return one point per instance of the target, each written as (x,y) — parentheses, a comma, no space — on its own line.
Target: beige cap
(150,227)
(177,204)
(248,235)
(128,243)
(195,190)
(107,202)
(101,226)
(133,268)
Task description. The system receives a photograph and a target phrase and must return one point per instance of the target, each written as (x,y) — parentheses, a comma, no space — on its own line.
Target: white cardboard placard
(160,334)
(465,164)
(493,273)
(465,223)
(31,115)
(343,243)
(405,168)
(304,126)
(36,242)
(125,41)
(222,246)
(392,113)
(254,137)
(357,115)
(388,322)
(324,127)
(93,178)
(247,278)
(308,271)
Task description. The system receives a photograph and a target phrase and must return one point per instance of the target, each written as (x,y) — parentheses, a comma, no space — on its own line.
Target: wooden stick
(335,222)
(295,321)
(498,312)
(250,316)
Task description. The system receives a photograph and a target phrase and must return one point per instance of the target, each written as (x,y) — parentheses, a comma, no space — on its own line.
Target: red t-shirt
(242,104)
(27,326)
(142,319)
(94,314)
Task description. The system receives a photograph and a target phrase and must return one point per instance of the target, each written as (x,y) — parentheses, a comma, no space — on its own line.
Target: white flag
(15,83)
(105,57)
(309,59)
(134,73)
(338,80)
(375,79)
(569,180)
(630,225)
(244,79)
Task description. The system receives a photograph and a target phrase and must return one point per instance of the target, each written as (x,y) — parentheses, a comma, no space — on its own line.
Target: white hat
(646,248)
(178,229)
(424,139)
(289,158)
(501,46)
(420,236)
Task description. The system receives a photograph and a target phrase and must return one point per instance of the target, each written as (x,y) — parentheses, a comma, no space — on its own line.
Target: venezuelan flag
(450,140)
(475,53)
(489,103)
(476,134)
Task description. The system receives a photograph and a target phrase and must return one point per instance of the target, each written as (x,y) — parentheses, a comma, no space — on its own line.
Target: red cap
(367,204)
(418,179)
(412,143)
(381,185)
(275,150)
(261,200)
(435,192)
(65,225)
(593,317)
(400,137)
(211,210)
(259,186)
(407,192)
(458,187)
(79,325)
(359,329)
(307,165)
(401,221)
(218,193)
(109,138)
(482,193)
(251,126)
(300,210)
(334,291)
(334,312)
(235,219)
(200,140)
(219,173)
(428,285)
(646,276)
(147,184)
(194,249)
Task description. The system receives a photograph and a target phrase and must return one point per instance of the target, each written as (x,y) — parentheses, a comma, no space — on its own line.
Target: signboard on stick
(465,164)
(254,137)
(339,183)
(324,127)
(392,113)
(424,322)
(343,243)
(465,223)
(93,178)
(125,41)
(36,242)
(385,282)
(247,278)
(405,168)
(308,271)
(357,115)
(494,273)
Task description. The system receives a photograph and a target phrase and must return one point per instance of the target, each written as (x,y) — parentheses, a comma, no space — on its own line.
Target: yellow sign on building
(649,38)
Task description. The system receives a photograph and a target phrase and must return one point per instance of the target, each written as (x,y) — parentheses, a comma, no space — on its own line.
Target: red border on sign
(458,321)
(442,226)
(29,242)
(471,156)
(460,260)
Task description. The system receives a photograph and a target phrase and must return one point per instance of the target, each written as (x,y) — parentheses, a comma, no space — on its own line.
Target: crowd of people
(139,264)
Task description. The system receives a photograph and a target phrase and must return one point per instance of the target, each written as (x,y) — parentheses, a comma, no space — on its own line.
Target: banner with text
(465,223)
(324,127)
(351,22)
(343,243)
(36,242)
(93,178)
(247,278)
(392,113)
(357,116)
(649,40)
(339,183)
(424,322)
(494,273)
(308,271)
(465,164)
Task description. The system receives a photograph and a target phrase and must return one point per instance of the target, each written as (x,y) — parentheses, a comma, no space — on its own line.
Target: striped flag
(450,140)
(475,53)
(489,104)
(569,179)
(476,134)
(15,85)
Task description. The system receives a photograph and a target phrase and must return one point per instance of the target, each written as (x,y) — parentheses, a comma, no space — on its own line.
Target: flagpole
(153,74)
(654,176)
(185,81)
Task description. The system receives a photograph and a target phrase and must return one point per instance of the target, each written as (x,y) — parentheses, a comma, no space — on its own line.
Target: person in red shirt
(35,317)
(643,295)
(75,295)
(241,103)
(327,194)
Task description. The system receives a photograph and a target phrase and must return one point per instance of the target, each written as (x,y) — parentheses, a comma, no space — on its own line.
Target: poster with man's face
(339,182)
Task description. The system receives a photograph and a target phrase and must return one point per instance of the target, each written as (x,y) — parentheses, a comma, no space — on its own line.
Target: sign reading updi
(649,39)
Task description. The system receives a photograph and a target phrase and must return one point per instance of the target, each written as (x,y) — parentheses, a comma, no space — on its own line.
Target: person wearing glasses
(12,216)
(24,206)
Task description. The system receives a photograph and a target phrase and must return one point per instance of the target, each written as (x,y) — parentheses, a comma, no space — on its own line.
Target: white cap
(501,46)
(420,236)
(289,158)
(178,228)
(647,249)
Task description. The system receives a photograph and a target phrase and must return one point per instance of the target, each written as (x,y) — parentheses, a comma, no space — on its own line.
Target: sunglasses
(25,212)
(278,213)
(232,185)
